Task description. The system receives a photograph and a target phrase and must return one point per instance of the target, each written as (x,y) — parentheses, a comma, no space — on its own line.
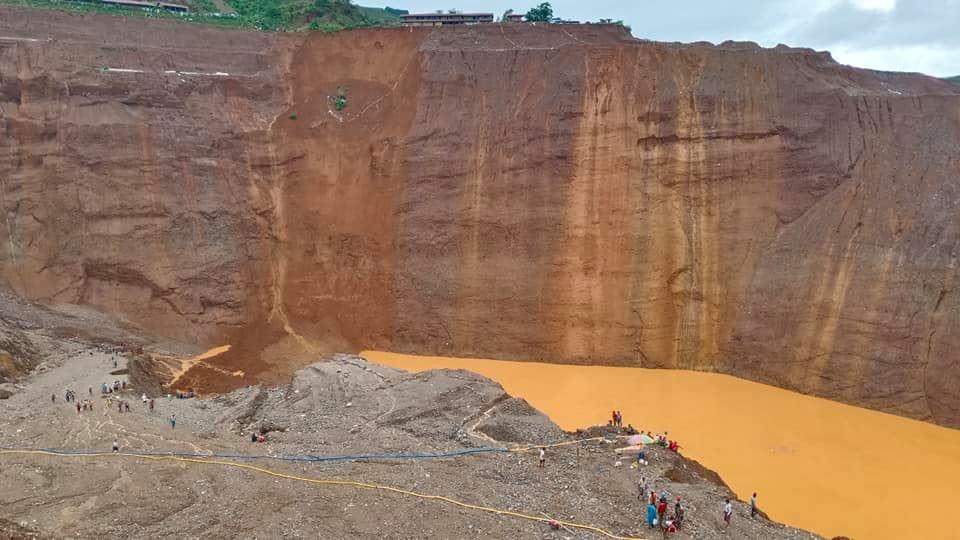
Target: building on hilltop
(513,17)
(445,19)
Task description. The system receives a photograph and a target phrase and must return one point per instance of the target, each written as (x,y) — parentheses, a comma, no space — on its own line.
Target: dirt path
(84,374)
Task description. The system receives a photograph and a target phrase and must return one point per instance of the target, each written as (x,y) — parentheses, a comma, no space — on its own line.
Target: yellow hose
(352,483)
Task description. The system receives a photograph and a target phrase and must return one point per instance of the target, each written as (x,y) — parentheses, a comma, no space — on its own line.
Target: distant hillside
(955,79)
(275,15)
(327,15)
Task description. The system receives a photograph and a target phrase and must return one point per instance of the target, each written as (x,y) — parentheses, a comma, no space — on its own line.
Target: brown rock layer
(567,194)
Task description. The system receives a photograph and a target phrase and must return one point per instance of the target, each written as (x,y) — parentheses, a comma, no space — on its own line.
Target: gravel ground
(342,406)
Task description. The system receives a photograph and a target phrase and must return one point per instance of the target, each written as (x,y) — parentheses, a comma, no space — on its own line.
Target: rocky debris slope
(339,407)
(565,193)
(350,399)
(34,336)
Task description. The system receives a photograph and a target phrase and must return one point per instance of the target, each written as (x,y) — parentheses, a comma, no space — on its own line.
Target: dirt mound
(402,411)
(514,420)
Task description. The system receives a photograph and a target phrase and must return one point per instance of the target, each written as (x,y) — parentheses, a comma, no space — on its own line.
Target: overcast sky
(895,35)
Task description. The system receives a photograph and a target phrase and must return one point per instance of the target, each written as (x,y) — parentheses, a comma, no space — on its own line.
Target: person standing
(678,514)
(543,456)
(641,487)
(753,505)
(651,515)
(173,421)
(662,511)
(151,405)
(727,513)
(116,446)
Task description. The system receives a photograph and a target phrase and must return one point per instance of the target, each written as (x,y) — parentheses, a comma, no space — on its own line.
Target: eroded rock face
(567,194)
(129,186)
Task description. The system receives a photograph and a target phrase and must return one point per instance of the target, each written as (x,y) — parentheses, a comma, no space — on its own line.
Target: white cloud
(921,58)
(876,5)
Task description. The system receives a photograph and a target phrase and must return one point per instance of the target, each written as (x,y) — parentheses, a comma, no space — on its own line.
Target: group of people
(148,402)
(657,512)
(107,391)
(117,386)
(83,405)
(658,505)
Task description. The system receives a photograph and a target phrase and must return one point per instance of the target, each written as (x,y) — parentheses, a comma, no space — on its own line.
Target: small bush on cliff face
(340,100)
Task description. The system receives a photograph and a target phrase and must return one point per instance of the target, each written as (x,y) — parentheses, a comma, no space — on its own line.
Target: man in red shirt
(661,511)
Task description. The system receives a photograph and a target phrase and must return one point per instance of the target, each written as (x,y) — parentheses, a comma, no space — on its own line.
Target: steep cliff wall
(567,194)
(132,173)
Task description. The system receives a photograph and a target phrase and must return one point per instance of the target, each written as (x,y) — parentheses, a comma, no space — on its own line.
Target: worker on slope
(651,515)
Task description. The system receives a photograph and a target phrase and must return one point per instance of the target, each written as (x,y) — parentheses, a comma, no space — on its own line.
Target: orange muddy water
(816,464)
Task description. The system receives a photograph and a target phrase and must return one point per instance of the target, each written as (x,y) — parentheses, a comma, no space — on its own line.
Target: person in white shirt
(727,512)
(543,456)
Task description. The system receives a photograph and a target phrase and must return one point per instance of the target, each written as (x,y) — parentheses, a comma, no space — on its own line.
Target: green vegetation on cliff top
(271,15)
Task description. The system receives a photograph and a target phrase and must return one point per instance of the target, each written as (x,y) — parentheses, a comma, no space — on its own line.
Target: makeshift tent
(635,440)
